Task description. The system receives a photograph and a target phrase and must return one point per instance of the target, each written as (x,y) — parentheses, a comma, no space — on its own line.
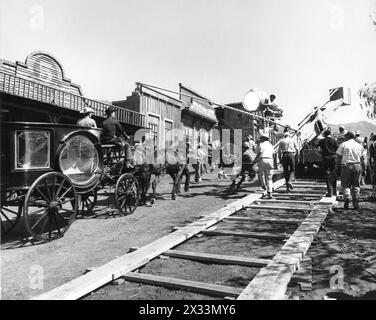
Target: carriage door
(154,130)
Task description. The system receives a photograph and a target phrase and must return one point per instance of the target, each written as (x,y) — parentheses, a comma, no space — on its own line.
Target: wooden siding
(41,78)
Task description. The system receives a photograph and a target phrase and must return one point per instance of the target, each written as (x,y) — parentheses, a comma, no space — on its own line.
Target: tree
(368,99)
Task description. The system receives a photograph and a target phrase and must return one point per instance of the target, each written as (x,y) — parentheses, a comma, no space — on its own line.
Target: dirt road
(93,241)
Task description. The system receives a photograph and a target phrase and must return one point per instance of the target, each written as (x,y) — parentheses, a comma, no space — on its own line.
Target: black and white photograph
(187,155)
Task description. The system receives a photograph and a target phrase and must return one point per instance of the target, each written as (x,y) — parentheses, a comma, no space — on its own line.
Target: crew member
(329,148)
(264,161)
(350,155)
(113,133)
(287,150)
(372,161)
(87,120)
(342,132)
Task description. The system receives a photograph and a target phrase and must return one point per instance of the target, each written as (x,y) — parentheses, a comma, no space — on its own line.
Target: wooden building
(38,90)
(162,113)
(197,116)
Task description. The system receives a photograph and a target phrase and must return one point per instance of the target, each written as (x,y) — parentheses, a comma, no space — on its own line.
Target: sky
(296,49)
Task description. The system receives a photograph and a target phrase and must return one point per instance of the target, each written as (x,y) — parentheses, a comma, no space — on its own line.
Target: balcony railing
(35,91)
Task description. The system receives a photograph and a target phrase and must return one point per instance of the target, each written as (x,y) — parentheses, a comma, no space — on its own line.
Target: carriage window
(79,160)
(32,149)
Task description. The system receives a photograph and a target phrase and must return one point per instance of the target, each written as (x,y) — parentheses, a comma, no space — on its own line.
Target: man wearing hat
(287,150)
(264,161)
(87,121)
(350,155)
(342,132)
(358,138)
(113,133)
(329,147)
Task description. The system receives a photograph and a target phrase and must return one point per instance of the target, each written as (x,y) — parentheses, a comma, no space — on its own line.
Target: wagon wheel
(127,193)
(88,202)
(11,211)
(50,206)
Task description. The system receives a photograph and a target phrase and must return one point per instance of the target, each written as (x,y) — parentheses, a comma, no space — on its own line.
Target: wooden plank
(313,192)
(216,258)
(114,269)
(278,208)
(310,186)
(307,195)
(268,220)
(193,286)
(272,281)
(307,202)
(258,235)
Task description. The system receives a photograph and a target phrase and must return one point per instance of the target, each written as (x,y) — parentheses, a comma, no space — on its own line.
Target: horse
(168,161)
(162,162)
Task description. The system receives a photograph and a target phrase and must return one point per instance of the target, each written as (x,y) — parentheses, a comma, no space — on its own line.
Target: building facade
(162,114)
(38,90)
(197,116)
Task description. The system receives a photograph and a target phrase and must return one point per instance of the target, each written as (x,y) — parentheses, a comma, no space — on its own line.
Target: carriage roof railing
(24,88)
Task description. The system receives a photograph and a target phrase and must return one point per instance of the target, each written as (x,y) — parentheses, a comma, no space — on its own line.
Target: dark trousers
(329,166)
(288,164)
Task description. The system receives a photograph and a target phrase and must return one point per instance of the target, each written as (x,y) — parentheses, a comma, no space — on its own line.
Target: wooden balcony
(20,87)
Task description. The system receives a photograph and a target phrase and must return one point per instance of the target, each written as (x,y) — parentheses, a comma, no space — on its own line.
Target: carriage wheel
(127,193)
(50,206)
(88,202)
(11,211)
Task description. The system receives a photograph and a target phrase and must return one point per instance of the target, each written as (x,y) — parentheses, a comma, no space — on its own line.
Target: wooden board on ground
(272,281)
(307,195)
(180,284)
(257,235)
(306,202)
(214,258)
(267,220)
(116,268)
(276,207)
(217,258)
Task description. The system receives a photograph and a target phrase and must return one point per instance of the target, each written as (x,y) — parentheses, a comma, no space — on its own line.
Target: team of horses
(151,168)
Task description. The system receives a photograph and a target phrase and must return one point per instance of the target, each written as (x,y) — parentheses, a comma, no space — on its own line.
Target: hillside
(364,127)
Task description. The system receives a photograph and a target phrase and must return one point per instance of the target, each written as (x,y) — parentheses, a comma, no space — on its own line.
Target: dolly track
(274,274)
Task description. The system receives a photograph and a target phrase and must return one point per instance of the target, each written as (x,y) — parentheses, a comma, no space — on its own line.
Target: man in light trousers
(264,161)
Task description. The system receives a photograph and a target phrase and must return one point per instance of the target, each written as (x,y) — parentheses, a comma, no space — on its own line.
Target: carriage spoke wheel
(11,211)
(88,203)
(127,193)
(50,206)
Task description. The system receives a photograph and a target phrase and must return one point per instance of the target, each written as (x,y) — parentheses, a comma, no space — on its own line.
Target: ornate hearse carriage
(50,172)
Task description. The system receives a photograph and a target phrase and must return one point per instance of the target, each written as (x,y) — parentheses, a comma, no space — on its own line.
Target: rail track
(261,242)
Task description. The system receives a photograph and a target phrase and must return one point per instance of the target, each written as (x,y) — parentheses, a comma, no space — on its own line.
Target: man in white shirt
(287,151)
(201,154)
(264,160)
(350,155)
